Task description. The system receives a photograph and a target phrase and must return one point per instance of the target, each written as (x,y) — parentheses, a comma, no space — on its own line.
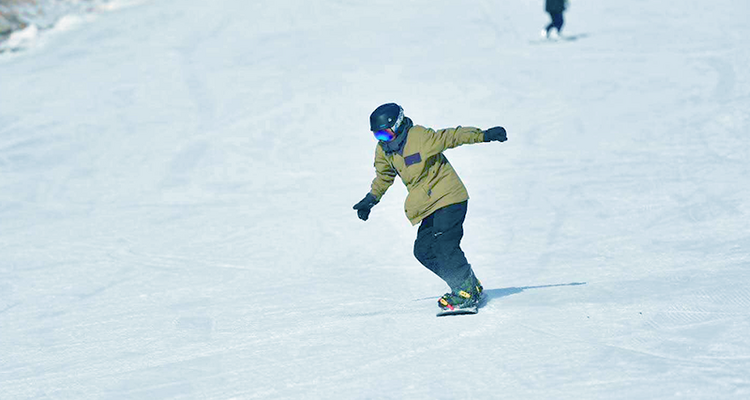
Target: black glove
(365,205)
(497,133)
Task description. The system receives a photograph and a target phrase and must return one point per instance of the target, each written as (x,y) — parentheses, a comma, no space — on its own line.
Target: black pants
(557,21)
(438,244)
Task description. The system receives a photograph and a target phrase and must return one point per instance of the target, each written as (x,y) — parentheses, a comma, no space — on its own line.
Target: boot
(468,294)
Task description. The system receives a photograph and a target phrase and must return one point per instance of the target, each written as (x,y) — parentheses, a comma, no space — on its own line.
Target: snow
(177,178)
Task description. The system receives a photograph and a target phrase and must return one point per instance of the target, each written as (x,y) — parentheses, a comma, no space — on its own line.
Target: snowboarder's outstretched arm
(443,139)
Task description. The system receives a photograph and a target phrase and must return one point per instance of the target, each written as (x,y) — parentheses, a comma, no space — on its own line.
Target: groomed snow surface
(177,178)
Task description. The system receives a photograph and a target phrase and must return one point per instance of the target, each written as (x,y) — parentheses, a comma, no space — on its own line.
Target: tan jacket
(429,177)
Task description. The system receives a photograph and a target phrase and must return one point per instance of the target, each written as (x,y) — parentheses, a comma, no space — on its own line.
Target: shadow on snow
(498,293)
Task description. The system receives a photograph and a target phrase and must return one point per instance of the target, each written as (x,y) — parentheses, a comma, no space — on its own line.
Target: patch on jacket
(412,159)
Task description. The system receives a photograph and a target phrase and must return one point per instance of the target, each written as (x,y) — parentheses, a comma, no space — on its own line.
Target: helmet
(388,115)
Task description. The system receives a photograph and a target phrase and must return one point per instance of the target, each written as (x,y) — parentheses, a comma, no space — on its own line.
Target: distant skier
(437,198)
(555,8)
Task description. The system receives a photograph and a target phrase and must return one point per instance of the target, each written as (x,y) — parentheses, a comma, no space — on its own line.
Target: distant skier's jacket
(429,177)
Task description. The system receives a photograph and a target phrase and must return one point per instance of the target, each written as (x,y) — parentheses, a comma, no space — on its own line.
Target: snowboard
(464,311)
(561,39)
(458,311)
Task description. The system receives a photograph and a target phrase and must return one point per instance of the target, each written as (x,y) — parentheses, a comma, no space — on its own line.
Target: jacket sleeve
(437,141)
(385,174)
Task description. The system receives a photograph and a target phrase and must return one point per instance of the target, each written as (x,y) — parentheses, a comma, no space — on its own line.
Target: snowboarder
(437,198)
(555,8)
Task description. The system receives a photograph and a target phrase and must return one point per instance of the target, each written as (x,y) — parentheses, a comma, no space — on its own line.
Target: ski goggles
(385,135)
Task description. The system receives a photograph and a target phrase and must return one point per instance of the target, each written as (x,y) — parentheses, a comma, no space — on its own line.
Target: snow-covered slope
(177,177)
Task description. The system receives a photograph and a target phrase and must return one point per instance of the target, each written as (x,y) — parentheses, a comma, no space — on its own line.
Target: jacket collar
(397,144)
